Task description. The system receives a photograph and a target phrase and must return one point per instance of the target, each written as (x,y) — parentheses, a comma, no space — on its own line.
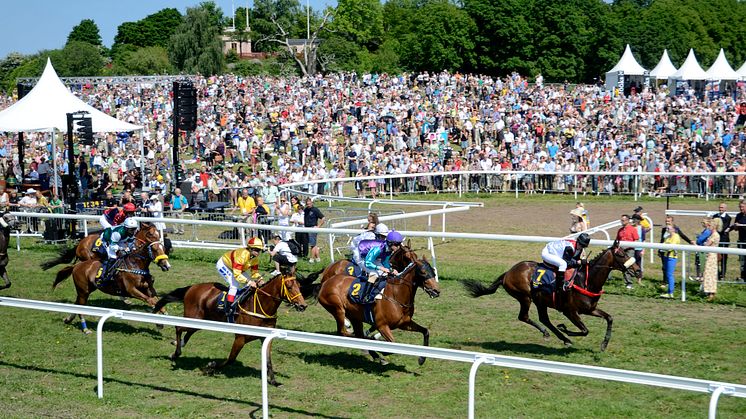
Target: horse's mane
(598,256)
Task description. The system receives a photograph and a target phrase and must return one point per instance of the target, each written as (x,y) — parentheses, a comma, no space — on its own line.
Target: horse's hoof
(562,328)
(603,346)
(6,286)
(275,384)
(568,344)
(547,336)
(67,321)
(87,331)
(127,301)
(421,360)
(159,326)
(383,361)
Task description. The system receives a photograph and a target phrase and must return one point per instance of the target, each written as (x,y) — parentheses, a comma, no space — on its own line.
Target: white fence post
(265,358)
(473,379)
(100,351)
(683,276)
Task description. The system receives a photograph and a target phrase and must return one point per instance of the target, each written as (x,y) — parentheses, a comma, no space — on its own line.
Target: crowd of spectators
(257,133)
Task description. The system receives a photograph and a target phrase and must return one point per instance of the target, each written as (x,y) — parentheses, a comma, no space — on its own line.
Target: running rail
(715,388)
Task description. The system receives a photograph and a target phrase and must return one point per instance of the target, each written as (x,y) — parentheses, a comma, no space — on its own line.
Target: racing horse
(581,298)
(8,222)
(394,310)
(130,278)
(83,250)
(259,309)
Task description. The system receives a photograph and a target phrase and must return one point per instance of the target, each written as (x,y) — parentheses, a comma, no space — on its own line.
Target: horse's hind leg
(524,317)
(575,319)
(412,326)
(609,320)
(81,300)
(181,342)
(6,278)
(544,318)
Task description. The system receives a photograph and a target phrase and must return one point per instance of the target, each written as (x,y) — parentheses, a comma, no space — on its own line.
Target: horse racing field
(47,369)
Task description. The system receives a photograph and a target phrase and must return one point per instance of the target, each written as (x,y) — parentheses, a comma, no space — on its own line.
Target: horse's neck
(267,298)
(140,258)
(599,272)
(404,289)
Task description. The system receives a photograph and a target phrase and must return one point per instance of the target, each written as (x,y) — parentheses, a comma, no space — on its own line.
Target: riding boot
(230,309)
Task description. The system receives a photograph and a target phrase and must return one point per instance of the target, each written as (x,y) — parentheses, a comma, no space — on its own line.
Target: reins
(257,304)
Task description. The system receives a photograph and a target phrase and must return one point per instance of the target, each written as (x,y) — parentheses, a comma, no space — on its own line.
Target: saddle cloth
(240,296)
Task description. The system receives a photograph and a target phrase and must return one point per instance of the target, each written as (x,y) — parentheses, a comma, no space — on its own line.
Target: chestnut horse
(394,311)
(131,279)
(201,300)
(8,222)
(582,298)
(82,251)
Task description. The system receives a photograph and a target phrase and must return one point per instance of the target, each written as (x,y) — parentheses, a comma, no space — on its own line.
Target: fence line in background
(476,359)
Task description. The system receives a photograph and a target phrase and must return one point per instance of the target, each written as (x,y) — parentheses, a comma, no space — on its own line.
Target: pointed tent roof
(690,70)
(628,64)
(665,67)
(46,106)
(721,69)
(742,71)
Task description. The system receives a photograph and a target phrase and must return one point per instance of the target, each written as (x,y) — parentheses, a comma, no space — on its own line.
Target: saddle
(544,278)
(106,272)
(222,301)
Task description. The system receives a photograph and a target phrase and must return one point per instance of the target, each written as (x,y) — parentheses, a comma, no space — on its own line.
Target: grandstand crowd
(260,132)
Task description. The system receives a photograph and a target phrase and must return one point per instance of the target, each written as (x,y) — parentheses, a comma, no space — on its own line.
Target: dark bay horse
(260,309)
(132,278)
(394,311)
(582,298)
(82,251)
(8,222)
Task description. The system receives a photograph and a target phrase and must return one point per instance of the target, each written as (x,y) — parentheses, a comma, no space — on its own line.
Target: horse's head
(622,262)
(426,278)
(148,233)
(157,253)
(9,220)
(290,292)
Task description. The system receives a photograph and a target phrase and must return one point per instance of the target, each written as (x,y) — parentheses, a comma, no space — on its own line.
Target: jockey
(114,216)
(565,254)
(232,266)
(379,233)
(118,238)
(377,254)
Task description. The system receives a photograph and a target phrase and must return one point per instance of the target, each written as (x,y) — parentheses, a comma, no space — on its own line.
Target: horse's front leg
(575,319)
(544,319)
(135,292)
(412,326)
(6,278)
(609,320)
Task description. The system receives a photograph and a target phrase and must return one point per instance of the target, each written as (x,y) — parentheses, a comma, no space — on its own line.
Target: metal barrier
(476,359)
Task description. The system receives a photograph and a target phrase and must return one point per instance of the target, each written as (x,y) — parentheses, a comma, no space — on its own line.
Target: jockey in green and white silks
(118,238)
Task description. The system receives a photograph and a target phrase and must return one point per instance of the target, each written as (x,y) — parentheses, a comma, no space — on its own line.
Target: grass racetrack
(47,369)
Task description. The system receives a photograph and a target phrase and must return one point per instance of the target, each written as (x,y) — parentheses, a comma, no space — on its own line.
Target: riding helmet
(382,229)
(129,207)
(255,243)
(394,237)
(584,240)
(130,223)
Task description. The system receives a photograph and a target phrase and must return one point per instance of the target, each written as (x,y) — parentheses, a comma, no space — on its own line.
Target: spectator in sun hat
(644,223)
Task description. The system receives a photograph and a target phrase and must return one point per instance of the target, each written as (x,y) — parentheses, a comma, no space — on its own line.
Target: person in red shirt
(628,233)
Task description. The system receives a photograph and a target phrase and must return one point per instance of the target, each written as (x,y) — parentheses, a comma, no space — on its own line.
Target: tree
(196,45)
(148,60)
(267,14)
(361,21)
(153,30)
(79,59)
(85,31)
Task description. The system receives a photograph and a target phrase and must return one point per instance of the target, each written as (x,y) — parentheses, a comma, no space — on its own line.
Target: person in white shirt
(283,211)
(284,258)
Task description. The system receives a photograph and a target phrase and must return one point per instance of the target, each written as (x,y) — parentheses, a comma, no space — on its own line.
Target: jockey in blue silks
(377,253)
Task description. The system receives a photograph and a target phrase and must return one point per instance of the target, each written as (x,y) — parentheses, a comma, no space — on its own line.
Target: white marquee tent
(628,65)
(721,69)
(690,70)
(664,69)
(46,106)
(742,71)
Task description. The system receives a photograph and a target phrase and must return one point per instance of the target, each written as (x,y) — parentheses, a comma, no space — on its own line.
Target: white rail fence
(476,359)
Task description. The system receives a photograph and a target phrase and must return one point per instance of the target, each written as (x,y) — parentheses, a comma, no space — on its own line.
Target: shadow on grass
(531,348)
(256,413)
(352,362)
(192,363)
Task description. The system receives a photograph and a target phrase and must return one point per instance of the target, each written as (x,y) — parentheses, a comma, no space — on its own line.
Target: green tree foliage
(361,21)
(287,13)
(153,30)
(196,46)
(148,60)
(442,38)
(78,59)
(85,31)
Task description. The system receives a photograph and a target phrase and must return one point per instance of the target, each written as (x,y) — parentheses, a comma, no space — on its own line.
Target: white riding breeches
(227,274)
(553,259)
(104,222)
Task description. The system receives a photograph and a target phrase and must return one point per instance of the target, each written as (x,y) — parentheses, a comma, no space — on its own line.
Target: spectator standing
(739,224)
(636,222)
(283,213)
(644,223)
(578,223)
(710,284)
(313,218)
(627,233)
(178,204)
(725,220)
(296,220)
(669,259)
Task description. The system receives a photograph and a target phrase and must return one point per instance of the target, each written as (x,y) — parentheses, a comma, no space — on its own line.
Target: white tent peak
(742,71)
(628,64)
(690,70)
(665,67)
(46,107)
(721,69)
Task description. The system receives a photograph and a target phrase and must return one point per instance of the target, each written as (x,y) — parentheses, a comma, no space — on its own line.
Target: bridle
(258,310)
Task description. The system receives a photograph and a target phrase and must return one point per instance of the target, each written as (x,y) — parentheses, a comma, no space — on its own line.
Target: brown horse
(394,311)
(132,278)
(82,251)
(582,298)
(201,300)
(8,222)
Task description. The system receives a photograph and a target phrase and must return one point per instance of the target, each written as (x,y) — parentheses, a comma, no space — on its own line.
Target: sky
(32,25)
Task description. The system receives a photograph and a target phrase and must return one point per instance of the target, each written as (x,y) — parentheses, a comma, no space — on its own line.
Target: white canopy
(664,69)
(690,70)
(46,106)
(721,69)
(742,71)
(627,64)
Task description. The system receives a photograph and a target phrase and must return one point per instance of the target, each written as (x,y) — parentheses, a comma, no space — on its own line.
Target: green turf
(48,368)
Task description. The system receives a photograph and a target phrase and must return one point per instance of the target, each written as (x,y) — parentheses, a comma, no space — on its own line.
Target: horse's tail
(173,296)
(66,256)
(478,289)
(307,286)
(63,274)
